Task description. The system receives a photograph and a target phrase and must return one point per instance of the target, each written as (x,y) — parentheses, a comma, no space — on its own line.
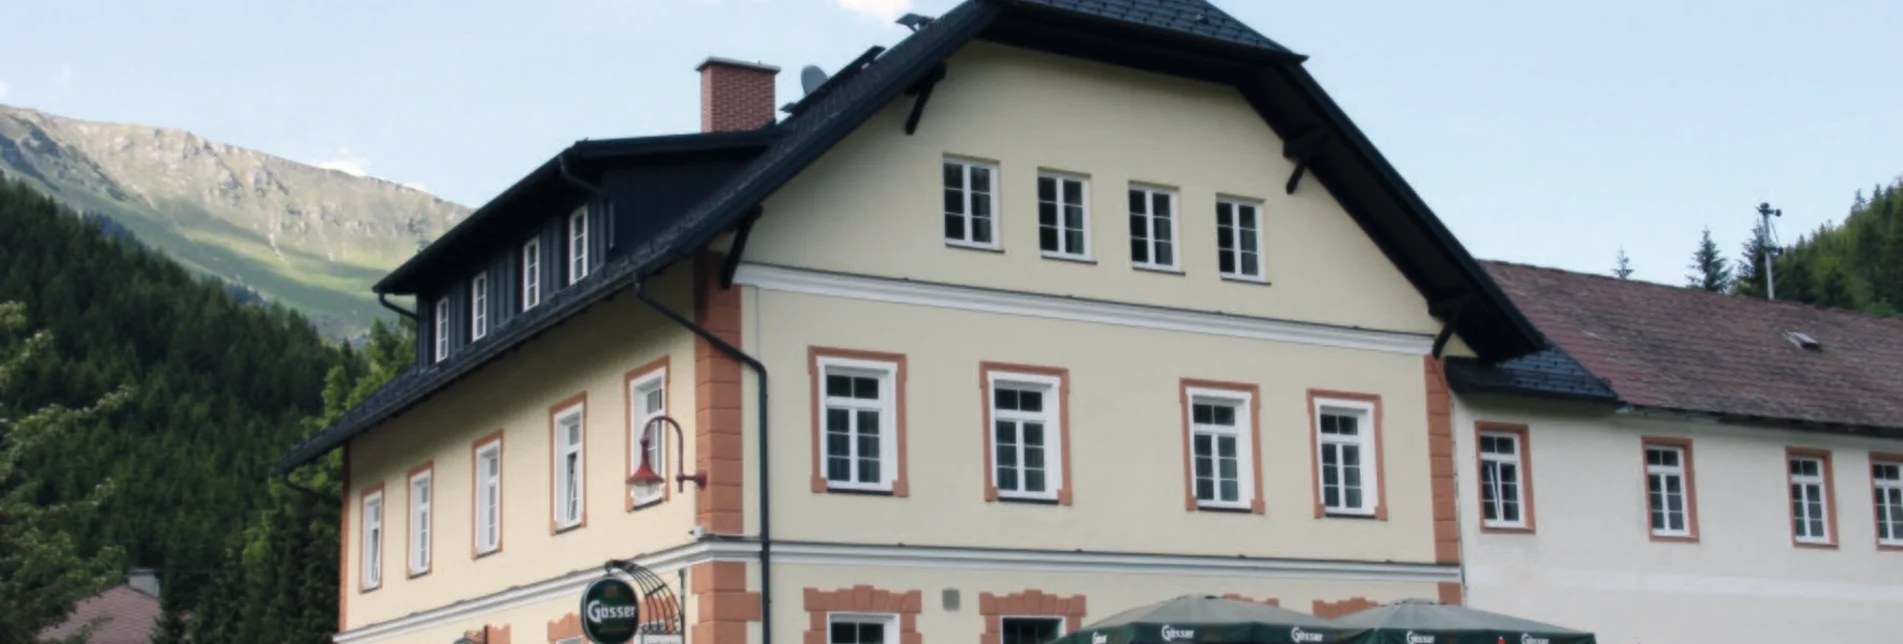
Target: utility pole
(1765,213)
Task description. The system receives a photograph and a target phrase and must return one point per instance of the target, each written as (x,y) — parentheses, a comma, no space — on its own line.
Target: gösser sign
(610,611)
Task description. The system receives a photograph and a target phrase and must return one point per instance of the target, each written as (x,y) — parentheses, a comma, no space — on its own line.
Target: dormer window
(578,245)
(479,306)
(442,329)
(532,273)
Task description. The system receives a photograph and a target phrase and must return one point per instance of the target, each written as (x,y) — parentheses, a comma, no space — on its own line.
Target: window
(489,496)
(858,402)
(1152,228)
(479,306)
(420,522)
(1238,239)
(1887,477)
(569,486)
(532,273)
(1345,439)
(1222,452)
(1026,435)
(1811,498)
(968,202)
(1062,216)
(372,576)
(442,329)
(1668,491)
(578,245)
(860,629)
(1505,503)
(1030,630)
(648,400)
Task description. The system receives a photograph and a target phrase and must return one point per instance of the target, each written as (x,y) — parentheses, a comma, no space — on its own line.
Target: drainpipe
(286,477)
(765,500)
(398,309)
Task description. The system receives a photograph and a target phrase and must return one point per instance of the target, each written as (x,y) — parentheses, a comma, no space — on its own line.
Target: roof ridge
(1697,292)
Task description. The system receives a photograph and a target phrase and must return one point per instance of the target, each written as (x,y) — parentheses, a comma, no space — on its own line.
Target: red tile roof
(1681,349)
(130,616)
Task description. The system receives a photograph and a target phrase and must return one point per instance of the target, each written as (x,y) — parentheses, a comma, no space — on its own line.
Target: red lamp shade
(644,475)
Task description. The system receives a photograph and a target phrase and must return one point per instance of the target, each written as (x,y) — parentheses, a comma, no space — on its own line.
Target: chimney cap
(731,62)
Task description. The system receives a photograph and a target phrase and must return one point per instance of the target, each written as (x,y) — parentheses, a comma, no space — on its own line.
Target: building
(1685,466)
(1052,309)
(123,614)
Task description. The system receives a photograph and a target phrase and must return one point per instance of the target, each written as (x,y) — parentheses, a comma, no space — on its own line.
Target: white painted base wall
(1675,615)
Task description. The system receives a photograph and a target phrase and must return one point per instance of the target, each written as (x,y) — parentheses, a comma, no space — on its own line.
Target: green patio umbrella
(1202,619)
(1419,621)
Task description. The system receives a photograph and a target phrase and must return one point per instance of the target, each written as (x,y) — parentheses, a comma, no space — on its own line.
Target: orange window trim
(409,496)
(554,411)
(475,493)
(1254,412)
(634,441)
(818,382)
(1525,453)
(819,604)
(1691,488)
(1877,458)
(1030,603)
(1830,495)
(985,369)
(567,627)
(382,537)
(1314,451)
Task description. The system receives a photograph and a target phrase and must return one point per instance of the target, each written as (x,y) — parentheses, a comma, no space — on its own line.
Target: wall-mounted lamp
(645,478)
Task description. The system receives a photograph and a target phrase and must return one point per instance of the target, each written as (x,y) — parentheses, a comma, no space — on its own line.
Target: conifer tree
(1710,272)
(1622,266)
(1751,279)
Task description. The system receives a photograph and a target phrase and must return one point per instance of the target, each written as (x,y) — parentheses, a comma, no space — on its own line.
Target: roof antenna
(1766,212)
(915,22)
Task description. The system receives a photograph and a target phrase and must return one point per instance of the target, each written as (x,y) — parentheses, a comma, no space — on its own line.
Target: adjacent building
(1049,310)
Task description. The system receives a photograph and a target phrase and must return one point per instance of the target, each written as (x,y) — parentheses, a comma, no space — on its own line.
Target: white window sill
(1503,526)
(1225,506)
(484,553)
(990,248)
(861,488)
(1348,513)
(1080,259)
(1032,498)
(1244,279)
(560,528)
(1157,268)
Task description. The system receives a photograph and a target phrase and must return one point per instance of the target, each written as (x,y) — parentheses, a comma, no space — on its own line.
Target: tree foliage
(1856,265)
(1710,271)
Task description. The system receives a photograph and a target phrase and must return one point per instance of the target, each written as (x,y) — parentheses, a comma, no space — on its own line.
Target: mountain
(312,238)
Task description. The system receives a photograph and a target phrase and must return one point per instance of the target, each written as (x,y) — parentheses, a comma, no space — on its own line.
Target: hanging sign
(610,611)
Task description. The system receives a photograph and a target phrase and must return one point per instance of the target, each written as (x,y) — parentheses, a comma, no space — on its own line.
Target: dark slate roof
(1681,349)
(1190,17)
(1397,220)
(1546,374)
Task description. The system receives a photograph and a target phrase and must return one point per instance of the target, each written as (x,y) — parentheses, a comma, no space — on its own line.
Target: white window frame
(888,408)
(1816,482)
(1083,202)
(1235,254)
(887,621)
(1495,461)
(639,415)
(442,329)
(479,306)
(488,528)
(532,273)
(1244,404)
(570,501)
(1052,416)
(1368,461)
(1662,473)
(965,192)
(422,495)
(1062,623)
(1150,238)
(1883,488)
(578,244)
(372,544)
(569,640)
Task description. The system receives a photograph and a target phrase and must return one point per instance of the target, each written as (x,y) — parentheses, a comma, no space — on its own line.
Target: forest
(141,408)
(1855,265)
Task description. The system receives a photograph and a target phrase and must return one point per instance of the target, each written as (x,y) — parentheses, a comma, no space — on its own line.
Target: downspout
(765,500)
(398,309)
(286,477)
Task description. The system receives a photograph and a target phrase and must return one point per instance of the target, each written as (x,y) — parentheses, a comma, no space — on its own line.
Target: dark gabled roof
(1547,374)
(1166,36)
(1686,350)
(531,196)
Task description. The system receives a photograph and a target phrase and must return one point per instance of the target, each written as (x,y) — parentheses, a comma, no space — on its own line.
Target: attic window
(1803,340)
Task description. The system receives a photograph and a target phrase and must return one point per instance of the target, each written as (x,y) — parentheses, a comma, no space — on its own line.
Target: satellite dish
(811,77)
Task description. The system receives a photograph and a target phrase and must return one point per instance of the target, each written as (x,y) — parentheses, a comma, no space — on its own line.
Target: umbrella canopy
(1419,621)
(1201,619)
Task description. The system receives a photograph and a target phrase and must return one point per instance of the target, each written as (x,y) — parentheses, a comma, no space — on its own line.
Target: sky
(1546,133)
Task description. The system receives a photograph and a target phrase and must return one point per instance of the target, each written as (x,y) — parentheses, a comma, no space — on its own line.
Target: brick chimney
(735,94)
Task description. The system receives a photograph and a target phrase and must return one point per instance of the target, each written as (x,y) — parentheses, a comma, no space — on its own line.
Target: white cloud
(880,9)
(346,163)
(3,89)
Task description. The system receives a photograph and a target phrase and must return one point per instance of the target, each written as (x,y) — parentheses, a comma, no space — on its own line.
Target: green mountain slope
(312,238)
(1857,265)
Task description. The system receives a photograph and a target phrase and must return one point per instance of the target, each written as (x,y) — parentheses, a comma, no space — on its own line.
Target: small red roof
(129,614)
(1683,349)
